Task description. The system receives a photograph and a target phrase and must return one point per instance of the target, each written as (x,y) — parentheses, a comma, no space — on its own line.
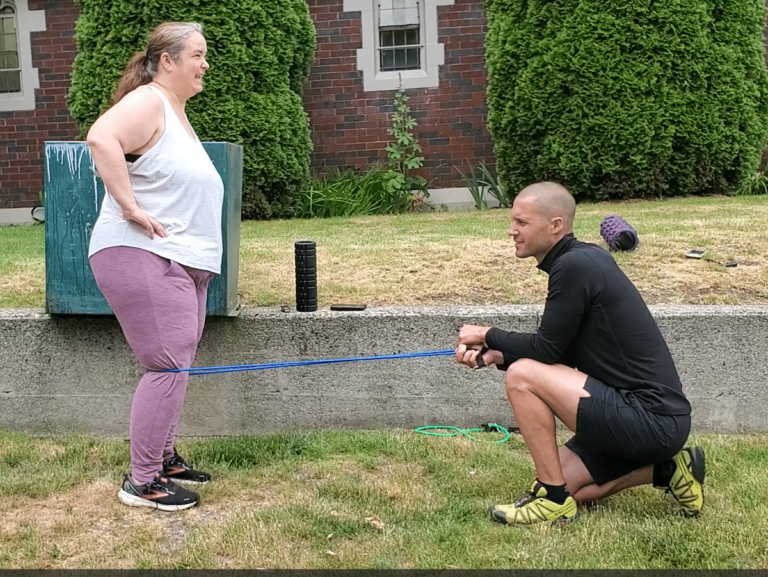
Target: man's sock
(662,473)
(556,493)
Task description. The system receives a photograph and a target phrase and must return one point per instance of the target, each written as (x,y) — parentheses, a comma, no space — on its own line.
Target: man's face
(529,230)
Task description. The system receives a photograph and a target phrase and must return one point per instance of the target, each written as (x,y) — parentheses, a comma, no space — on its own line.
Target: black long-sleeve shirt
(596,321)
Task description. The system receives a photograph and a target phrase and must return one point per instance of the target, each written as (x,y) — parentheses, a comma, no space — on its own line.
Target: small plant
(495,189)
(346,193)
(756,185)
(480,181)
(404,155)
(475,185)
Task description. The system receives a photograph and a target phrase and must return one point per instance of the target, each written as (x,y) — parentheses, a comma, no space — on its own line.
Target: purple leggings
(160,306)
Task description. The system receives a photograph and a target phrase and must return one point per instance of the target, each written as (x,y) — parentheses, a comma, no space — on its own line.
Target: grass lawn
(466,258)
(382,499)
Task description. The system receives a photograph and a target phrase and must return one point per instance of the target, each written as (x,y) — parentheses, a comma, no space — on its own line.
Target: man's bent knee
(518,375)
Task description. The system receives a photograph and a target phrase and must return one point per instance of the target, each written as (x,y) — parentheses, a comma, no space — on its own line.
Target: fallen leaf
(375,522)
(330,552)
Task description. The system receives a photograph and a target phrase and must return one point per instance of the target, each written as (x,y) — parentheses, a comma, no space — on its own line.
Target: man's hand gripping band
(480,361)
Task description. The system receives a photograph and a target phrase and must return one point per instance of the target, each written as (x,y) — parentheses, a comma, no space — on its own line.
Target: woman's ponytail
(135,74)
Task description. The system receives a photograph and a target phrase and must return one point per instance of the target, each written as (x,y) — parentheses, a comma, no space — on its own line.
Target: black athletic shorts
(615,435)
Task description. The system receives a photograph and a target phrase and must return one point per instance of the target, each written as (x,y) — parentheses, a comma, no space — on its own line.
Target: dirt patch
(88,527)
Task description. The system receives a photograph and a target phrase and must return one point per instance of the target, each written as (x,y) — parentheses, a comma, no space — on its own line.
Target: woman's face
(191,64)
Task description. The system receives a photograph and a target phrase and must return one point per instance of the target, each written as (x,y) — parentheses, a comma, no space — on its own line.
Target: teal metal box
(73,197)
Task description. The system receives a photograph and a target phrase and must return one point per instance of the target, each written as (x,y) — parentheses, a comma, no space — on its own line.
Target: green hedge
(627,98)
(259,52)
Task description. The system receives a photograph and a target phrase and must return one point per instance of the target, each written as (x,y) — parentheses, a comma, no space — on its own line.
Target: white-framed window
(399,38)
(399,43)
(10,72)
(18,80)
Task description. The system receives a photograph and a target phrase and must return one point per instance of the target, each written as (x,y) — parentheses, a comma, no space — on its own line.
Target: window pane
(10,81)
(387,60)
(412,36)
(410,16)
(398,13)
(9,60)
(386,38)
(8,26)
(15,81)
(8,42)
(412,58)
(399,59)
(399,37)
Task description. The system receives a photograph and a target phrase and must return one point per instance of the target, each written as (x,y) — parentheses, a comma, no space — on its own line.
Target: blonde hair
(170,37)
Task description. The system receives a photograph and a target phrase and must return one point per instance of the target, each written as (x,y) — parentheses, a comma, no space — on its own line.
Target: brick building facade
(349,124)
(23,132)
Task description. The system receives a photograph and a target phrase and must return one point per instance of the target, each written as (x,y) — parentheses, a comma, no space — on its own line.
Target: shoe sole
(134,501)
(560,522)
(698,470)
(697,463)
(186,481)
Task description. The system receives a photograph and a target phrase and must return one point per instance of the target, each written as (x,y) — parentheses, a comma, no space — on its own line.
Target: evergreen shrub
(627,98)
(259,51)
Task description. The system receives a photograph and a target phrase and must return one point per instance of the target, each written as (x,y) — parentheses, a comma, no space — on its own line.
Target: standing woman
(156,245)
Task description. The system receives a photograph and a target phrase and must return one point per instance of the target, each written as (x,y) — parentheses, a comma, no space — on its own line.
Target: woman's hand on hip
(150,224)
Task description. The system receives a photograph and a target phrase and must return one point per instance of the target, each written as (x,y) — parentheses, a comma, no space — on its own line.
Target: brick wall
(23,132)
(349,125)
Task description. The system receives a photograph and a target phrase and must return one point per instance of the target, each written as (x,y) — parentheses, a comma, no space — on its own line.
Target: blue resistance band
(265,366)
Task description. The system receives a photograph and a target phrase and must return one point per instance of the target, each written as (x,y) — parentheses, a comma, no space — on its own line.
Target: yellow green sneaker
(534,507)
(687,483)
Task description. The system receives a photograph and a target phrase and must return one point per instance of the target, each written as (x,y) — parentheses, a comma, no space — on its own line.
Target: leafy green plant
(756,185)
(494,187)
(345,193)
(627,99)
(475,184)
(480,180)
(404,155)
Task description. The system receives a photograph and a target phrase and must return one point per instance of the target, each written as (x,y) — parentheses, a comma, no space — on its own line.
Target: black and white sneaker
(160,493)
(176,468)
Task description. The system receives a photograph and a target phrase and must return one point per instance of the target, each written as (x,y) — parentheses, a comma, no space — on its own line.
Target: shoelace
(176,461)
(166,486)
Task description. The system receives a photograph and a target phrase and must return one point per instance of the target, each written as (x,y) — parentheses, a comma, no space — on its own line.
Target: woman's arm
(132,125)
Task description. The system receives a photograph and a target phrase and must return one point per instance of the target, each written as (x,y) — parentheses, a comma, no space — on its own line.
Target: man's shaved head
(552,199)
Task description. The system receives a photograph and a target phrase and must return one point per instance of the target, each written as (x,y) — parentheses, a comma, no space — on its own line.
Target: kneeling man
(597,362)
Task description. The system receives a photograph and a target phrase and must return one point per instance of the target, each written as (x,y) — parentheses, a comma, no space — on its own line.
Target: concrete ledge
(455,199)
(16,216)
(76,374)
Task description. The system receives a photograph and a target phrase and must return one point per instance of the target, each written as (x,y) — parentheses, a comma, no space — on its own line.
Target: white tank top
(176,183)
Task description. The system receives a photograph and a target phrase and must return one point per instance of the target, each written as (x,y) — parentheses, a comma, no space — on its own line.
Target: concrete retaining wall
(77,375)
